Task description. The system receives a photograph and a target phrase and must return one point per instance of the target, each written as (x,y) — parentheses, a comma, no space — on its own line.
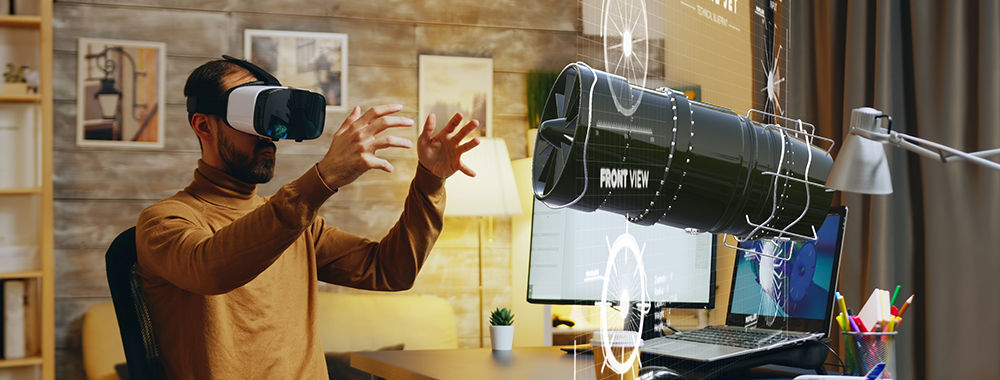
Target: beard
(255,169)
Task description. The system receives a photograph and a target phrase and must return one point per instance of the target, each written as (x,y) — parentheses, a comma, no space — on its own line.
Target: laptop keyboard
(733,337)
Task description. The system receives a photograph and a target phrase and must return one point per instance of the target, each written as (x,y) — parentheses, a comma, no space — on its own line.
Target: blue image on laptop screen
(797,288)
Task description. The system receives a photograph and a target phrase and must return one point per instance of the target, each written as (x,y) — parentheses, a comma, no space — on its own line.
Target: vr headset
(265,108)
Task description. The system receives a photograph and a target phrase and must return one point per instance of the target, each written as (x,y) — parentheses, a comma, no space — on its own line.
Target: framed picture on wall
(312,61)
(457,84)
(120,92)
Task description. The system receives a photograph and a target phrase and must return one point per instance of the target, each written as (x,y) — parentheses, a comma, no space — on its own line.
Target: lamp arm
(930,149)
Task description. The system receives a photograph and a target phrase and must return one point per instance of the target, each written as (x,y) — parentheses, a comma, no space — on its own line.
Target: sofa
(348,323)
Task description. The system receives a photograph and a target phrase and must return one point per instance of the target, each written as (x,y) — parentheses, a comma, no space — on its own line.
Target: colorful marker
(855,324)
(843,311)
(894,294)
(861,325)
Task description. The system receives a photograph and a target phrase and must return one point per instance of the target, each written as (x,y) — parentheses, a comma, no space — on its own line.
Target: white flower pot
(502,337)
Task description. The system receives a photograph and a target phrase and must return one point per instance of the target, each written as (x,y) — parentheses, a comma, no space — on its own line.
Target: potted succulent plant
(502,328)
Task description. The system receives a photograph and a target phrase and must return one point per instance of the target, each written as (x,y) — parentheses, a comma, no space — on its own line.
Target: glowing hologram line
(625,34)
(618,288)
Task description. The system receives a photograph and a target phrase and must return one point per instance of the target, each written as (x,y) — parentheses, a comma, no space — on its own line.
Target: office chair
(142,354)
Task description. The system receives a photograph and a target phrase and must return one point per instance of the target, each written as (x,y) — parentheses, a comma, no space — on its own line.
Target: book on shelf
(13,319)
(32,318)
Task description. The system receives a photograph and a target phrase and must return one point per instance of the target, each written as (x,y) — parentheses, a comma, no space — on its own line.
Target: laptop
(773,303)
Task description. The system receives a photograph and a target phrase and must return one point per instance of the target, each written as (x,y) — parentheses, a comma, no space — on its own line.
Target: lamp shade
(492,192)
(861,166)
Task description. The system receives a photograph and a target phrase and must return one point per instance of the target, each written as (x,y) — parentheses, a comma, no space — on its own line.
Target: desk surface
(475,363)
(483,363)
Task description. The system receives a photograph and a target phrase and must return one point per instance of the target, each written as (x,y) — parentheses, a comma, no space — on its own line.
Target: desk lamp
(492,192)
(861,165)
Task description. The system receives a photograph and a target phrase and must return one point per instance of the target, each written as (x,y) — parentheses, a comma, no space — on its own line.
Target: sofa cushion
(347,323)
(102,342)
(365,322)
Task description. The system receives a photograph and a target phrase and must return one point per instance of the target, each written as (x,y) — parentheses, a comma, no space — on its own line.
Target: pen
(905,306)
(892,324)
(894,294)
(875,372)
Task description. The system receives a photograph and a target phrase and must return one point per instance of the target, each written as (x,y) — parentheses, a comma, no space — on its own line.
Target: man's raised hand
(352,151)
(441,152)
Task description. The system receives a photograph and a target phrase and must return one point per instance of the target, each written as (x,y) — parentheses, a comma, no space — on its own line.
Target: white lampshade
(861,166)
(492,192)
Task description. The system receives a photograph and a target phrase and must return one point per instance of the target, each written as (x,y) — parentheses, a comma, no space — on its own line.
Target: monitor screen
(570,253)
(797,293)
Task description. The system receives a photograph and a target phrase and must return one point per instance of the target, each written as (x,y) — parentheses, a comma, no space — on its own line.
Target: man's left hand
(441,152)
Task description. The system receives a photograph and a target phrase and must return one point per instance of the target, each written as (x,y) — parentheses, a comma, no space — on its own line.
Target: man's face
(247,157)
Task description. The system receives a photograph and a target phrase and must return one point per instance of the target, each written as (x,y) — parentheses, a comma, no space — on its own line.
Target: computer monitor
(570,251)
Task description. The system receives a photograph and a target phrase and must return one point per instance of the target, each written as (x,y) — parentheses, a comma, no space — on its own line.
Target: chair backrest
(142,354)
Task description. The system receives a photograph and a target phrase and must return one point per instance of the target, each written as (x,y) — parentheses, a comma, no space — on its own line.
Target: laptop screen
(796,294)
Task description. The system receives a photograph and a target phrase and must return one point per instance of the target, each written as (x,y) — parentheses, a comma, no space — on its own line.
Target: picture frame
(307,60)
(450,84)
(120,93)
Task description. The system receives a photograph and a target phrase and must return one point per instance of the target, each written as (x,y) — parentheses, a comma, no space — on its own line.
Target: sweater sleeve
(393,262)
(173,243)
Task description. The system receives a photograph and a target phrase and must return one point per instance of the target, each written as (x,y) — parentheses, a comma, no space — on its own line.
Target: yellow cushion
(347,322)
(102,342)
(365,322)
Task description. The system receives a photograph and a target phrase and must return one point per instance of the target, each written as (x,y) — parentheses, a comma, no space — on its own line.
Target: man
(230,277)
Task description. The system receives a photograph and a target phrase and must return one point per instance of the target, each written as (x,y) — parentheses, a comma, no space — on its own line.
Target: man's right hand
(352,151)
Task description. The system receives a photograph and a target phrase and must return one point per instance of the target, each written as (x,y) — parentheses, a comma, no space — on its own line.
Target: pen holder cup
(866,350)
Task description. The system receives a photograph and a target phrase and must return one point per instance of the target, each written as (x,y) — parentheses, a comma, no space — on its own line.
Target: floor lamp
(492,192)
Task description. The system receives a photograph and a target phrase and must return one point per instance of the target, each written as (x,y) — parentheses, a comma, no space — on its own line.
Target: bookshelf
(26,186)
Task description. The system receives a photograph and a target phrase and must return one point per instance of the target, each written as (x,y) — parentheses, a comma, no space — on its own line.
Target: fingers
(465,169)
(355,114)
(379,111)
(468,128)
(468,145)
(386,122)
(452,124)
(429,126)
(374,162)
(392,142)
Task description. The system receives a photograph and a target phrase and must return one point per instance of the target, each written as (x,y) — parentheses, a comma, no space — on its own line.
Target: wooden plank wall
(99,192)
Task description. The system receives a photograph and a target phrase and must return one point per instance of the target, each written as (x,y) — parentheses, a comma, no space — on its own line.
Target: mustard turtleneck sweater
(230,277)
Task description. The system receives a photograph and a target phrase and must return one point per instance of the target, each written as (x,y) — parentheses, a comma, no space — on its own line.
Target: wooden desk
(518,364)
(475,363)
